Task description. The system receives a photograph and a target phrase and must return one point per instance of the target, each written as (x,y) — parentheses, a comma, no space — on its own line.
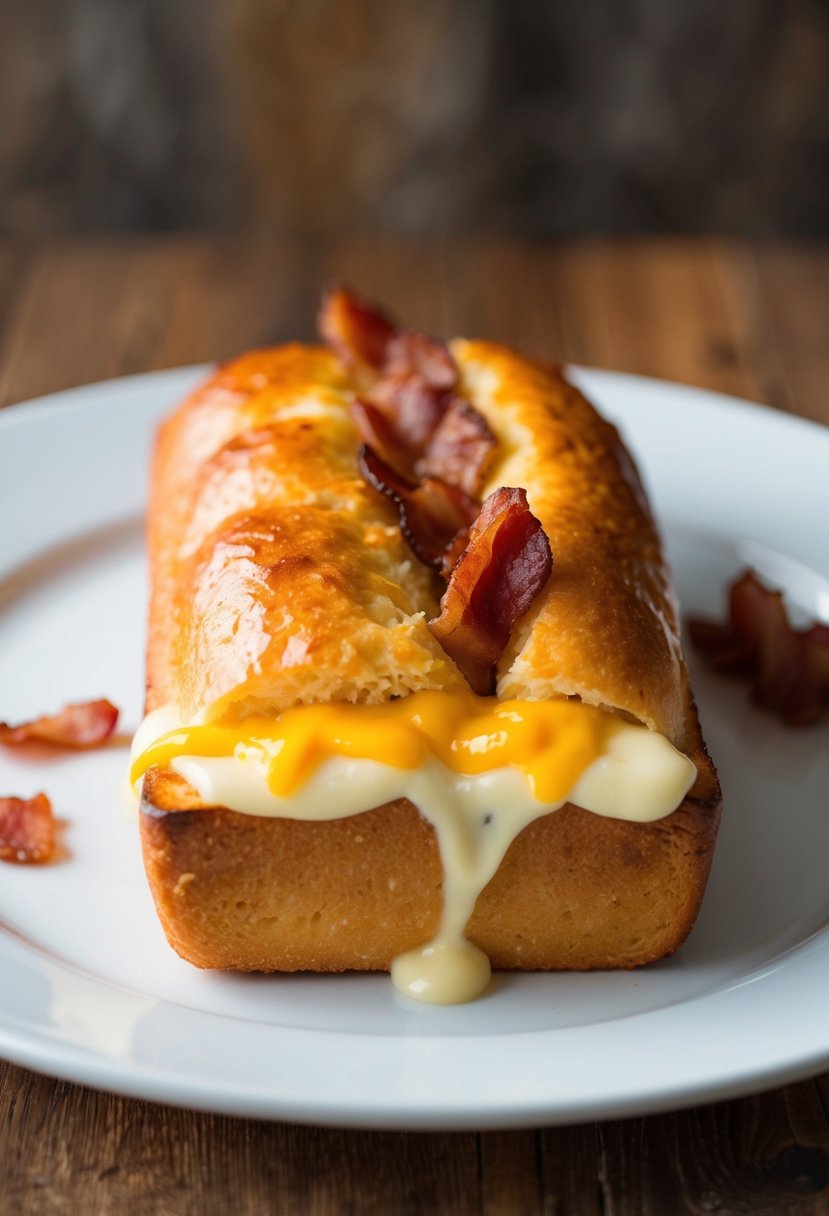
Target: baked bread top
(281,577)
(606,626)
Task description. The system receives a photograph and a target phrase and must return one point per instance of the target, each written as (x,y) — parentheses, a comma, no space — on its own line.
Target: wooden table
(722,315)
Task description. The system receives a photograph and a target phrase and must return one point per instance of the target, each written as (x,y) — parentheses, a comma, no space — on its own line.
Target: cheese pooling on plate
(479,770)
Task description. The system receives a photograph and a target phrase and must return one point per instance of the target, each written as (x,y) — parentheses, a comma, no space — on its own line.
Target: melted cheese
(478,769)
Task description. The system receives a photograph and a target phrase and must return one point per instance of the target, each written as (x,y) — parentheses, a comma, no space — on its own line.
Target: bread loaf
(281,582)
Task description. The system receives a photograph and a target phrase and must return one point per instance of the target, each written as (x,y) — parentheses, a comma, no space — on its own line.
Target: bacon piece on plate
(460,448)
(27,829)
(87,724)
(789,667)
(505,565)
(432,514)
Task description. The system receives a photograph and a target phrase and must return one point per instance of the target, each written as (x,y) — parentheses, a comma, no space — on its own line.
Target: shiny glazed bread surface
(279,577)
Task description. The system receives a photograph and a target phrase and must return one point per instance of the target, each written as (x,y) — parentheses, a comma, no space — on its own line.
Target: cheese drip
(478,769)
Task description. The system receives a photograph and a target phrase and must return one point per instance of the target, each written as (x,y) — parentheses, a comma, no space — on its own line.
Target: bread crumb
(184,879)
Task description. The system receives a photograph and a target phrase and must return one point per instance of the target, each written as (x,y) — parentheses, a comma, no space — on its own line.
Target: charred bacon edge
(433,515)
(27,830)
(504,567)
(80,725)
(495,559)
(788,667)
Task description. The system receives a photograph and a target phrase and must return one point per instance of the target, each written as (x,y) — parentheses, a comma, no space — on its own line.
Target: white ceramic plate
(89,989)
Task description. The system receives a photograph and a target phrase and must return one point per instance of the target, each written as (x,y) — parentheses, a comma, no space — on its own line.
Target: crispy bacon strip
(789,667)
(377,430)
(399,434)
(409,411)
(414,408)
(503,568)
(415,426)
(460,449)
(434,516)
(76,726)
(353,330)
(27,829)
(410,355)
(360,333)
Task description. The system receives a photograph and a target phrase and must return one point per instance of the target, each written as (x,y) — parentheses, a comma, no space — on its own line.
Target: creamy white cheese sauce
(640,777)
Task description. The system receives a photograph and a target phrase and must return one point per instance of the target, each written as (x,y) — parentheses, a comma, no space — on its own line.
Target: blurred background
(415,116)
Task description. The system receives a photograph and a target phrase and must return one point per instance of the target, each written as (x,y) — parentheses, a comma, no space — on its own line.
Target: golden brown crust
(267,448)
(605,628)
(279,577)
(575,891)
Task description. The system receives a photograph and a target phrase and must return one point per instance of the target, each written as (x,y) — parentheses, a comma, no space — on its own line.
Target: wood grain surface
(741,320)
